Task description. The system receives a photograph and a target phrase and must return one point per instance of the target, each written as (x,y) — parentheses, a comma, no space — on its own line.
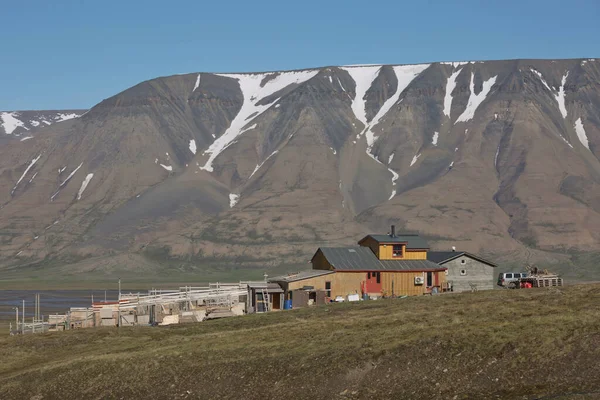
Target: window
(368,275)
(429,279)
(463,272)
(509,276)
(328,289)
(397,250)
(463,261)
(378,277)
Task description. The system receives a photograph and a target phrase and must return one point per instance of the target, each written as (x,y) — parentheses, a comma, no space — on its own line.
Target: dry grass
(496,344)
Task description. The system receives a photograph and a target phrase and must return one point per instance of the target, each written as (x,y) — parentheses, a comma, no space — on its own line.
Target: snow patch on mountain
(33,177)
(414,159)
(261,164)
(84,184)
(31,163)
(405,75)
(197,84)
(560,97)
(450,85)
(539,74)
(26,138)
(63,117)
(363,77)
(253,93)
(167,167)
(10,122)
(71,175)
(475,100)
(233,199)
(65,181)
(391,157)
(434,139)
(193,146)
(581,133)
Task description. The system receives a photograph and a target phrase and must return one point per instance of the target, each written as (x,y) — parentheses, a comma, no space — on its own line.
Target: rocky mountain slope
(257,170)
(22,125)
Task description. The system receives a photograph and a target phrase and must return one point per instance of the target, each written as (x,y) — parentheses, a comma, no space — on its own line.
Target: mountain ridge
(487,135)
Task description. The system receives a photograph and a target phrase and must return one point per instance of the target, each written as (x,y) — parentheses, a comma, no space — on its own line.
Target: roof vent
(351,250)
(393,231)
(453,248)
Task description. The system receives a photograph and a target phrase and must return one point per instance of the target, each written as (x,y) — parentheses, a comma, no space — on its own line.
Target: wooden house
(382,265)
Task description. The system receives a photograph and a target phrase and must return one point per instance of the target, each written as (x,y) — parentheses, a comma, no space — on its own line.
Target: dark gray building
(465,271)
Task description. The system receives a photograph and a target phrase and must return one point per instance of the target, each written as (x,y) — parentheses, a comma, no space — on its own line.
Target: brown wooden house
(382,265)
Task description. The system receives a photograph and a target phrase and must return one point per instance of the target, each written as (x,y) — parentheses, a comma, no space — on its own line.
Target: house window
(378,277)
(463,272)
(397,250)
(463,261)
(328,289)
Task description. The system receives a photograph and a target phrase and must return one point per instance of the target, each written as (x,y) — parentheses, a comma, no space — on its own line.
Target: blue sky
(73,54)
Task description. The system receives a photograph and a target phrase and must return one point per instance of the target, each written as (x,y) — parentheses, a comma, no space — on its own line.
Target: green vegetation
(522,344)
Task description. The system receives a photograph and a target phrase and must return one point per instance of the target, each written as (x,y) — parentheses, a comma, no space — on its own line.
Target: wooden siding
(386,251)
(404,283)
(372,244)
(416,255)
(345,283)
(320,262)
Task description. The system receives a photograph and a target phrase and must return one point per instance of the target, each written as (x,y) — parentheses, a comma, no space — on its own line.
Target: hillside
(526,344)
(212,172)
(22,125)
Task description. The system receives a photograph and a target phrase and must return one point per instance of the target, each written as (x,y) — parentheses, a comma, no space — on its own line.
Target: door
(373,283)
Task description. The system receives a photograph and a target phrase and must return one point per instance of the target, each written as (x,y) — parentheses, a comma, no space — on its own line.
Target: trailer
(540,281)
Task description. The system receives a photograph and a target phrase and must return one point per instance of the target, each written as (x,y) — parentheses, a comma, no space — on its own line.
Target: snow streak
(10,122)
(233,199)
(167,167)
(414,160)
(560,97)
(581,133)
(475,100)
(84,184)
(253,93)
(261,164)
(25,173)
(193,146)
(539,74)
(26,138)
(450,85)
(363,78)
(434,140)
(197,84)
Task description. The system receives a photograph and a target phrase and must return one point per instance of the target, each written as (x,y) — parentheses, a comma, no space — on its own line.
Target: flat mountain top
(254,171)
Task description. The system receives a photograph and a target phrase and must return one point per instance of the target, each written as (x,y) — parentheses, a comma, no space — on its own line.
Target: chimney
(453,248)
(393,232)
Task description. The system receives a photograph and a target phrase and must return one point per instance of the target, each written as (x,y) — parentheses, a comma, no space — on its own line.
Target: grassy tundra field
(509,344)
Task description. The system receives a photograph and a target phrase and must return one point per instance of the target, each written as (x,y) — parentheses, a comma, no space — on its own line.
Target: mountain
(256,170)
(22,125)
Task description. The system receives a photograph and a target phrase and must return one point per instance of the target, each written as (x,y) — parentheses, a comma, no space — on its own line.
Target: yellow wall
(345,283)
(386,252)
(404,283)
(415,255)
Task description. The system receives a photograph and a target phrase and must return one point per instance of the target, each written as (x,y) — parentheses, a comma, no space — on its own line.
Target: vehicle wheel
(512,285)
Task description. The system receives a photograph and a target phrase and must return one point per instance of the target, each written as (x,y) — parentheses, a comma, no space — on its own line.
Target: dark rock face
(496,157)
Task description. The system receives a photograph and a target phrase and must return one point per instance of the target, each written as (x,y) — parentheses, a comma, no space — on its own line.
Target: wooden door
(373,282)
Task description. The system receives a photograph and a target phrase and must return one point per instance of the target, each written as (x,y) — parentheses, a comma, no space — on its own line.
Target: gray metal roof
(298,276)
(363,259)
(412,241)
(441,257)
